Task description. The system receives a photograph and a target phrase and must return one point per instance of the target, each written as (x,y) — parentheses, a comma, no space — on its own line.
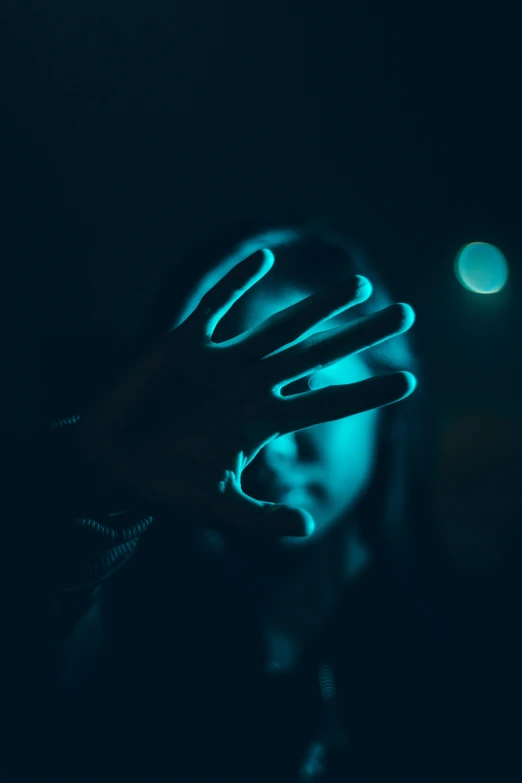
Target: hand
(176,432)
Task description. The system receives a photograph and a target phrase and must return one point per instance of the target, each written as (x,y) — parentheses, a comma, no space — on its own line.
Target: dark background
(399,120)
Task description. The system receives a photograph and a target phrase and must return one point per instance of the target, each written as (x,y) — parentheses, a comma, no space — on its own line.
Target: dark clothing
(180,689)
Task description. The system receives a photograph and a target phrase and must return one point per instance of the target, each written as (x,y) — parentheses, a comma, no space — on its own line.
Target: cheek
(347,451)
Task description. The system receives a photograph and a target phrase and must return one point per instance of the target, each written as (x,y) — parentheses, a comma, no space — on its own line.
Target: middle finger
(294,322)
(326,348)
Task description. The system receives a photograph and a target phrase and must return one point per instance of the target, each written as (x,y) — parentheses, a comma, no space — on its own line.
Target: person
(220,584)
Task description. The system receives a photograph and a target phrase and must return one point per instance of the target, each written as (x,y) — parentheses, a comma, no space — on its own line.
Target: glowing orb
(481,268)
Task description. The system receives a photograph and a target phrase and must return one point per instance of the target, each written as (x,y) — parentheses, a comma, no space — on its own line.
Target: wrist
(75,480)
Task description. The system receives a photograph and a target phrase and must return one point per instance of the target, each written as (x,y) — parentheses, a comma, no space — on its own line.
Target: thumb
(286,520)
(243,513)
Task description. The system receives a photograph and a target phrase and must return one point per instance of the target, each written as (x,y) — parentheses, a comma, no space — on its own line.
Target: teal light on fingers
(481,268)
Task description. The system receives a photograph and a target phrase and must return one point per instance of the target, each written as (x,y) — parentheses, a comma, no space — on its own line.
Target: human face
(324,469)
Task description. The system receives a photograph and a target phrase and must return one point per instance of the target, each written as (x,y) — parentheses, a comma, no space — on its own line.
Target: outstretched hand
(178,429)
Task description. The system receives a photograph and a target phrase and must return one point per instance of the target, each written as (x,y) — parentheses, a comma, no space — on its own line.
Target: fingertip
(407,316)
(364,288)
(268,259)
(410,383)
(292,521)
(258,265)
(308,523)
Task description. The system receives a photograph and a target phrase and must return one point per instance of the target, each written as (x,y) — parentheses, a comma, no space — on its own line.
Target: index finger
(206,263)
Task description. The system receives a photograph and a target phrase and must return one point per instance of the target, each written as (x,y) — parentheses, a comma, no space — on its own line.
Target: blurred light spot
(481,268)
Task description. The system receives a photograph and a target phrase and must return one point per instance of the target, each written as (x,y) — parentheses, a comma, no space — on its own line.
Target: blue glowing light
(481,268)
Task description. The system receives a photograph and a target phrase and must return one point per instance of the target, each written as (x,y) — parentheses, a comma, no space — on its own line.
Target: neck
(298,601)
(296,591)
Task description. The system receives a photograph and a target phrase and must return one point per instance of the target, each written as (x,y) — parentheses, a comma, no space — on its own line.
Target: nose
(281,452)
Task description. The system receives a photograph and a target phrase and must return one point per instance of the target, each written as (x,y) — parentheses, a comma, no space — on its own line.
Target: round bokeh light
(481,268)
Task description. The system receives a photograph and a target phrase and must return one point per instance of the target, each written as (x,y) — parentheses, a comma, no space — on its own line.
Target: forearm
(55,556)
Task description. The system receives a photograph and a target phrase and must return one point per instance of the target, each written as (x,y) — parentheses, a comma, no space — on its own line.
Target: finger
(326,348)
(218,301)
(292,323)
(337,402)
(237,512)
(207,263)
